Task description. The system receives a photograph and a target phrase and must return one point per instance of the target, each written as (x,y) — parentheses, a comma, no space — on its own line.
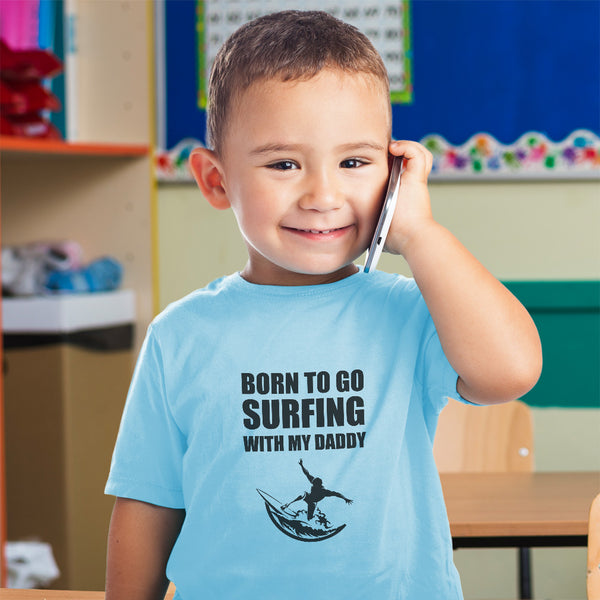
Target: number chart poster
(385,23)
(494,88)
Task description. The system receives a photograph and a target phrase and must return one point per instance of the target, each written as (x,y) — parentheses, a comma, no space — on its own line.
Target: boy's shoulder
(197,301)
(384,280)
(224,296)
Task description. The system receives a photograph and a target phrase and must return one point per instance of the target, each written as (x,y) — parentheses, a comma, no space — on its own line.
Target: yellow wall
(518,230)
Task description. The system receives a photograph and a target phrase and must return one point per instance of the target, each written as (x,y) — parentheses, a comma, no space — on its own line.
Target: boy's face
(304,167)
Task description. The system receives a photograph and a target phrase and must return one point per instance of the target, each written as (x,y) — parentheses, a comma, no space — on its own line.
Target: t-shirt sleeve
(148,455)
(435,373)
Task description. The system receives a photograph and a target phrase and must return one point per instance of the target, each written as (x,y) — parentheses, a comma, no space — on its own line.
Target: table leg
(525,592)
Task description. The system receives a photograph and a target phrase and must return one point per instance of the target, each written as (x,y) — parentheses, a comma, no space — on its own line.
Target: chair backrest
(495,438)
(593,557)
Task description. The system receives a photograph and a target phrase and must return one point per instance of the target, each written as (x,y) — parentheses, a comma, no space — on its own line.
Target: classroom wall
(520,231)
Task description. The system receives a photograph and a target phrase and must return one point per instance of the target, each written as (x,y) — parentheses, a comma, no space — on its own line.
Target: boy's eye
(352,163)
(283,165)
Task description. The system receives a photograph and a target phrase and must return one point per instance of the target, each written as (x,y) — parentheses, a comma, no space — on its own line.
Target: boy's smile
(304,168)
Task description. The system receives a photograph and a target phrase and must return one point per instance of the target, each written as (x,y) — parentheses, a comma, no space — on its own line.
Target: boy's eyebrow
(267,148)
(366,145)
(351,146)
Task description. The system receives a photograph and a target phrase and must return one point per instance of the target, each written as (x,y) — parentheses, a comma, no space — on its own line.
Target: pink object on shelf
(19,25)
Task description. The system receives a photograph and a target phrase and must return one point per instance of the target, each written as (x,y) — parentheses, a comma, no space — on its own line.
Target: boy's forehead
(364,85)
(267,84)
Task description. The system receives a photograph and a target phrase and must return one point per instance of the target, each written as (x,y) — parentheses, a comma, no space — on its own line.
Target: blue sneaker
(101,275)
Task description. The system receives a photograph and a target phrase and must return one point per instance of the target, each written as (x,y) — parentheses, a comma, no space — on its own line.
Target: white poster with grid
(385,23)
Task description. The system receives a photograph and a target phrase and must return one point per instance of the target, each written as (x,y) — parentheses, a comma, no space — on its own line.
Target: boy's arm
(140,540)
(487,335)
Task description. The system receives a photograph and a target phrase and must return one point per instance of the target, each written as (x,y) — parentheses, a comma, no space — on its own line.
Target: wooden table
(519,509)
(6,594)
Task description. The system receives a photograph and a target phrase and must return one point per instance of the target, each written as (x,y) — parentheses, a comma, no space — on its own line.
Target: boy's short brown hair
(288,45)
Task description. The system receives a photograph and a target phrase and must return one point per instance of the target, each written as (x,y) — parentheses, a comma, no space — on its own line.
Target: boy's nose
(321,193)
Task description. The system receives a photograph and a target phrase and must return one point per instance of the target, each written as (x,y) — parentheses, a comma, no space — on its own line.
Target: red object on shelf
(31,125)
(11,100)
(22,97)
(28,64)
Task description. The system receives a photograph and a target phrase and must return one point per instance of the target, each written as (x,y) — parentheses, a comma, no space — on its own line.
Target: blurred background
(102,225)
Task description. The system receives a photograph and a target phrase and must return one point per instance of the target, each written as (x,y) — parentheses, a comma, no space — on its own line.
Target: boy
(304,356)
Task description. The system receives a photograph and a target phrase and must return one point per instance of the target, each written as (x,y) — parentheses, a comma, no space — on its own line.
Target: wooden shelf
(98,191)
(26,146)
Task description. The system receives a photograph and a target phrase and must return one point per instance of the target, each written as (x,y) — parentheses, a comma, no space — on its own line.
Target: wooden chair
(486,439)
(593,557)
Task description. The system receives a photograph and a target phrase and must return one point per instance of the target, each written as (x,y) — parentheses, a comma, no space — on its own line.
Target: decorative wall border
(532,156)
(171,166)
(482,157)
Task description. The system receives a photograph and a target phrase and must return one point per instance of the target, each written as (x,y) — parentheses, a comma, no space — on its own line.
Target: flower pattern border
(482,157)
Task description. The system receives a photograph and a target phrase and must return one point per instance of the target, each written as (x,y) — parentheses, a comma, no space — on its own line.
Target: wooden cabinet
(97,190)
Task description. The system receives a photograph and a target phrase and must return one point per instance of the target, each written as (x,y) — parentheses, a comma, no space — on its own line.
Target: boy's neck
(290,278)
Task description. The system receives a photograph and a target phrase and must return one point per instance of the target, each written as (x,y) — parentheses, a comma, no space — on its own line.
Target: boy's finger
(418,159)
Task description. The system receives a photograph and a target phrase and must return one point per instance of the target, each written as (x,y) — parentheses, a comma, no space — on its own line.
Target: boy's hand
(413,210)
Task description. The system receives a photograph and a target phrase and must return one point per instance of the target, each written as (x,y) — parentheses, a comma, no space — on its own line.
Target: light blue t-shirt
(295,426)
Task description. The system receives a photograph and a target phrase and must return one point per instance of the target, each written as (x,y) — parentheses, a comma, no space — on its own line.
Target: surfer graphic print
(311,524)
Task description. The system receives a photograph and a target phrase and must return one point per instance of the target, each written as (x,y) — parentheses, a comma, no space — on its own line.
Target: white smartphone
(387,213)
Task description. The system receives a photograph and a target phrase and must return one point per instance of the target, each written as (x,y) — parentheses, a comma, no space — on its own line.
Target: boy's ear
(206,168)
